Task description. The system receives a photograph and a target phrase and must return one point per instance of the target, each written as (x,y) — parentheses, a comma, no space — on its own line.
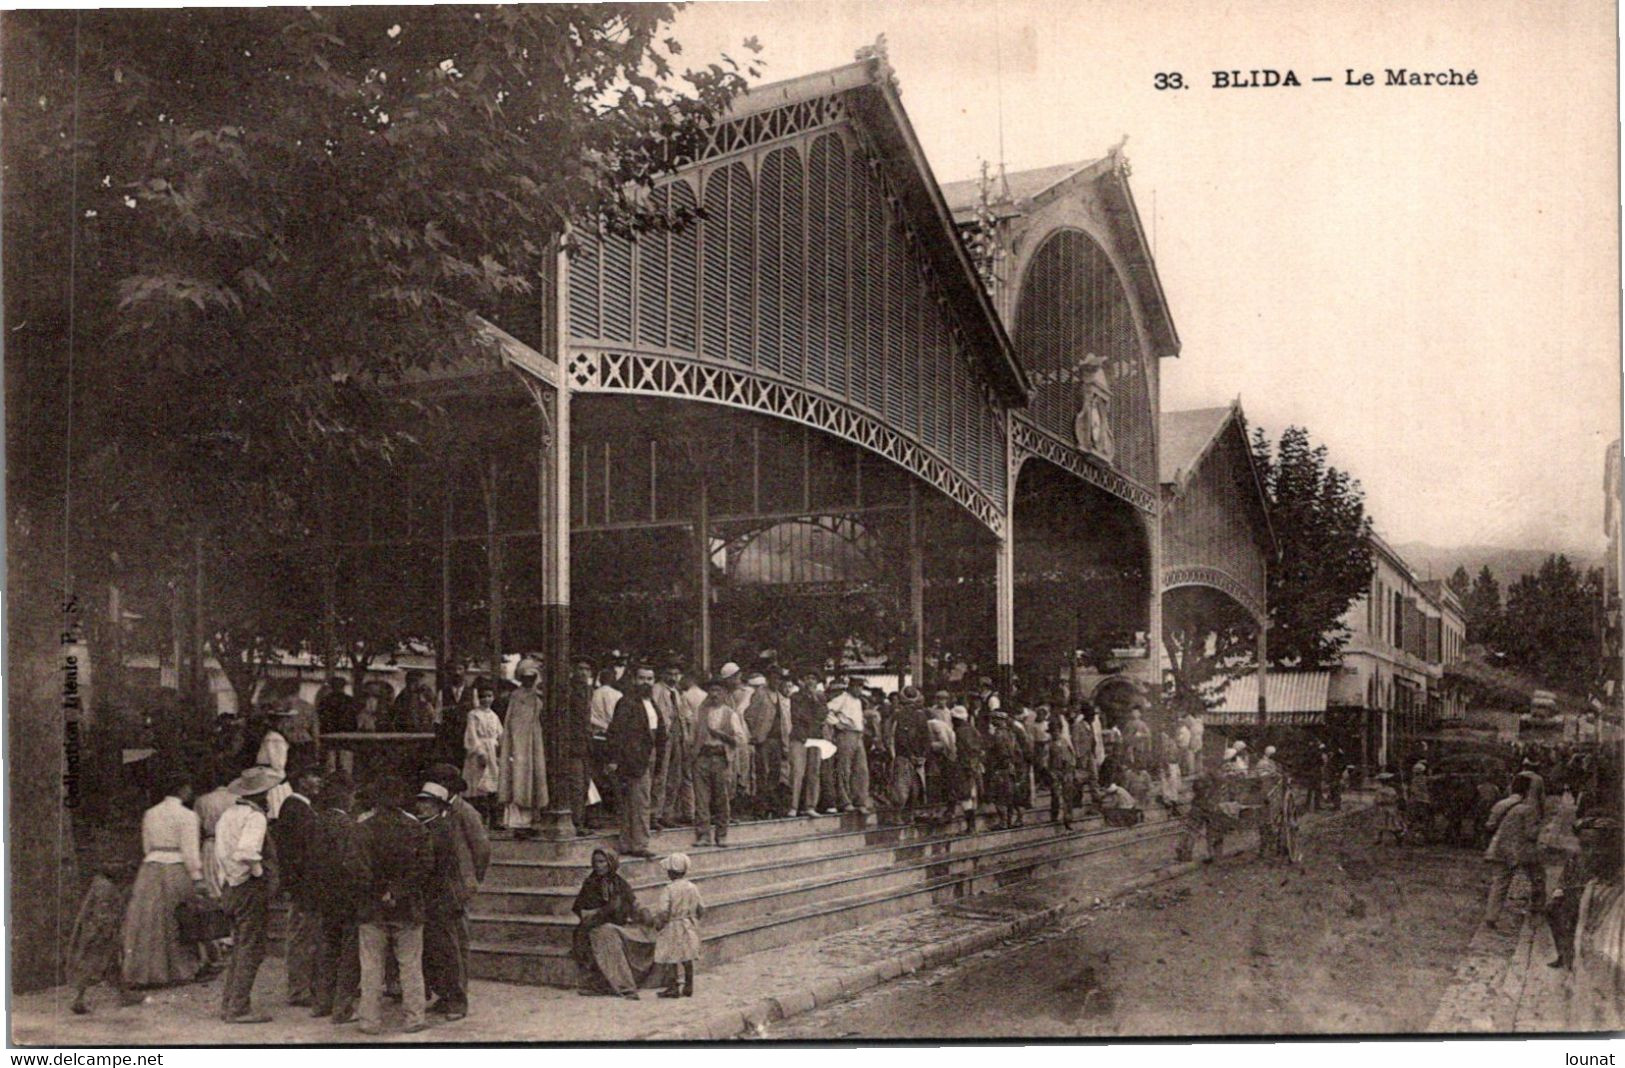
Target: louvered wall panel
(741,266)
(820,295)
(913,328)
(654,278)
(685,273)
(860,260)
(714,266)
(793,295)
(896,346)
(769,276)
(802,273)
(838,267)
(617,288)
(584,299)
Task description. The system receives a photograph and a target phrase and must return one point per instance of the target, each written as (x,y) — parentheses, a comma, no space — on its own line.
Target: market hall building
(809,407)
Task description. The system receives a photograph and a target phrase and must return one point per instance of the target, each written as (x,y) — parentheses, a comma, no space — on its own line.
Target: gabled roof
(869,88)
(1031,189)
(1011,190)
(1186,439)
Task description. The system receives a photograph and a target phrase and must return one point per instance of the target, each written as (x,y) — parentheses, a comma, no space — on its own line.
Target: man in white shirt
(601,712)
(249,879)
(851,763)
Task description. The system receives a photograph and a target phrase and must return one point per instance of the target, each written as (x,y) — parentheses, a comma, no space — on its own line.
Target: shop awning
(1291,697)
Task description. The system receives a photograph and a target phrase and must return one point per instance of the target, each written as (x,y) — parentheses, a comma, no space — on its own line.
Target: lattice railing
(1215,578)
(1027,440)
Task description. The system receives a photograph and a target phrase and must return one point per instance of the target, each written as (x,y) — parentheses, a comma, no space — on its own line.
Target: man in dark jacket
(400,868)
(635,735)
(294,832)
(911,745)
(445,971)
(338,864)
(473,852)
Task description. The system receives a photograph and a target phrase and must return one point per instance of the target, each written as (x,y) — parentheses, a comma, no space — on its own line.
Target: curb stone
(733,1023)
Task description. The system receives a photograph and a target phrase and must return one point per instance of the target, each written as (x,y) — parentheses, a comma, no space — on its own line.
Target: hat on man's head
(255,780)
(959,712)
(912,693)
(527,666)
(677,863)
(756,679)
(617,656)
(728,671)
(433,791)
(448,776)
(856,680)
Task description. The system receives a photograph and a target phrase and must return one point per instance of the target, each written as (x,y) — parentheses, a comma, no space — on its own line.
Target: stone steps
(762,912)
(542,887)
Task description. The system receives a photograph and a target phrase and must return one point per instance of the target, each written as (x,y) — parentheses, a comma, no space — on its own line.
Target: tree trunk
(44,888)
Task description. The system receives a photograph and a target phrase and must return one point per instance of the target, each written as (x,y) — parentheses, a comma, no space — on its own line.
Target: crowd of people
(378,879)
(379,875)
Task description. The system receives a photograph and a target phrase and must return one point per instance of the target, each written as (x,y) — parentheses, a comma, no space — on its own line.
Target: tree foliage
(254,223)
(1549,627)
(1318,512)
(1210,640)
(1482,606)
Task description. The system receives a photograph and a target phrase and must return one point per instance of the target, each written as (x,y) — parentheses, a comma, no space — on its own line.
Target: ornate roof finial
(876,54)
(1119,159)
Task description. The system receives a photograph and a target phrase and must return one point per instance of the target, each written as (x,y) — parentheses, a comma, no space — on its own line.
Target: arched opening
(1082,579)
(807,543)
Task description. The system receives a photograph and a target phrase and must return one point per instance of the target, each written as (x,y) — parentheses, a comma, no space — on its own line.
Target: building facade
(1390,687)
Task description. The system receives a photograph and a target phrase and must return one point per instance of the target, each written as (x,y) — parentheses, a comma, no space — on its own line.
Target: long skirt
(624,956)
(154,954)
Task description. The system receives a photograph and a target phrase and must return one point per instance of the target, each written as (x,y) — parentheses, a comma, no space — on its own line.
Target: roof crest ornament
(876,54)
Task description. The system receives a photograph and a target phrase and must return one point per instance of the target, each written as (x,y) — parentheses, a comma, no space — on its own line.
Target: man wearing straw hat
(248,872)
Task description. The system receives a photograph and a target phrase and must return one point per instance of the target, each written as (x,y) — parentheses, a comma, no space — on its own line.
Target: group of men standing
(378,888)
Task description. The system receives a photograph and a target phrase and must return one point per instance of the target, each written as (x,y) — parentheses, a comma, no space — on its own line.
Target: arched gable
(1073,304)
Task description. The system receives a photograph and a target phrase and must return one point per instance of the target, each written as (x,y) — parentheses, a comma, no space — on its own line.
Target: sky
(1426,278)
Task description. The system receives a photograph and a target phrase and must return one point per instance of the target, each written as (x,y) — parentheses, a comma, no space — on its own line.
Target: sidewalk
(730,1000)
(1503,984)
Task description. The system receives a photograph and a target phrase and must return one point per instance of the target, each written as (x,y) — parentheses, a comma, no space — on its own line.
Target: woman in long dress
(482,739)
(522,784)
(613,956)
(171,872)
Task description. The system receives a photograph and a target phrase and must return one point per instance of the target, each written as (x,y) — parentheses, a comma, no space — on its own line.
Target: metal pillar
(1263,670)
(564,733)
(493,559)
(702,552)
(1004,593)
(916,588)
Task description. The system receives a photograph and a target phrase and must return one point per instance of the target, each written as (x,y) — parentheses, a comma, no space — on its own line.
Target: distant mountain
(1434,561)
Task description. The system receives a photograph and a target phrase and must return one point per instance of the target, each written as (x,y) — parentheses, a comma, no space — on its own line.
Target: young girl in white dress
(676,919)
(480,740)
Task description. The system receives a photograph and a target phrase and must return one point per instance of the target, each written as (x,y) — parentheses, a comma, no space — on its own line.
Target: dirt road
(1360,939)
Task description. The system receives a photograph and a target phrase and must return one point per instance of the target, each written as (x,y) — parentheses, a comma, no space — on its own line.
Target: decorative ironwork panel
(1175,577)
(1028,440)
(803,271)
(1075,332)
(607,371)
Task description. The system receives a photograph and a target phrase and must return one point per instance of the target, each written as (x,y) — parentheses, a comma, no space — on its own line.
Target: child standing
(481,740)
(676,918)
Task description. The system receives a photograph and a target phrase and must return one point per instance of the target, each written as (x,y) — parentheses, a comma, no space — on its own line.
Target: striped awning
(1297,697)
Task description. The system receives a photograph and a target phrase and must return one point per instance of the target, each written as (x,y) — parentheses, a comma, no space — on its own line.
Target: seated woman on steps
(605,898)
